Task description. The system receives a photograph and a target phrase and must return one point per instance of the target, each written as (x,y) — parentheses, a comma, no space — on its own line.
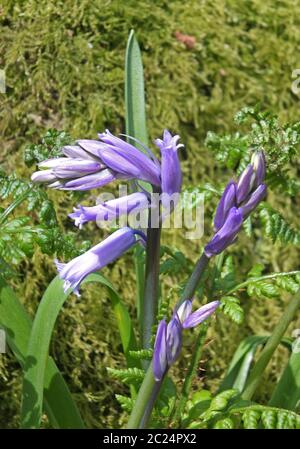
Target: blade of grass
(239,368)
(38,346)
(274,340)
(135,118)
(58,403)
(134,92)
(287,392)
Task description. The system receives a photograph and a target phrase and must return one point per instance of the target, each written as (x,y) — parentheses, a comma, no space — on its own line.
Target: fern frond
(125,402)
(275,226)
(128,376)
(143,354)
(231,307)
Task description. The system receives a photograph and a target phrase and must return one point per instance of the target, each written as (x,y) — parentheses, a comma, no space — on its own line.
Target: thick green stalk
(140,277)
(193,282)
(150,389)
(200,340)
(151,294)
(144,402)
(274,340)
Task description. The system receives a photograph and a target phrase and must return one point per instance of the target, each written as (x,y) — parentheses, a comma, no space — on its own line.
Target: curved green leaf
(287,392)
(58,403)
(238,371)
(38,347)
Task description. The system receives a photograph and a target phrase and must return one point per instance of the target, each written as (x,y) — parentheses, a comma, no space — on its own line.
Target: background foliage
(64,69)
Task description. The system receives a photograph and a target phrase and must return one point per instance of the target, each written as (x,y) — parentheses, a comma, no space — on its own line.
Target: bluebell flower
(227,201)
(236,204)
(75,271)
(171,176)
(110,210)
(93,163)
(226,234)
(168,340)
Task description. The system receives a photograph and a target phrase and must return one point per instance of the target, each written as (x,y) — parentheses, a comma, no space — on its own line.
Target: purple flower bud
(43,176)
(160,352)
(184,310)
(168,340)
(88,182)
(123,158)
(76,152)
(96,258)
(258,162)
(255,198)
(245,184)
(226,235)
(110,209)
(174,340)
(171,176)
(71,168)
(228,200)
(91,146)
(200,315)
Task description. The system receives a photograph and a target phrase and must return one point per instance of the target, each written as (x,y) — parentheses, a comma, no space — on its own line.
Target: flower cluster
(92,164)
(168,340)
(237,202)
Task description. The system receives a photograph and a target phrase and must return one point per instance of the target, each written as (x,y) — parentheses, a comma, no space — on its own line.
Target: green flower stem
(14,205)
(150,302)
(266,277)
(145,401)
(198,347)
(149,390)
(196,276)
(190,375)
(274,340)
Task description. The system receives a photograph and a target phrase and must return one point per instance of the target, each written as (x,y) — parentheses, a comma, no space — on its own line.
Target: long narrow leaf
(135,117)
(238,371)
(40,338)
(58,402)
(134,92)
(287,392)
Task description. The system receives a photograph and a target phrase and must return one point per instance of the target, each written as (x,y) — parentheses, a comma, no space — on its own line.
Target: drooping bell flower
(171,176)
(255,198)
(226,234)
(258,162)
(160,362)
(227,201)
(75,271)
(94,163)
(124,158)
(78,170)
(168,340)
(110,210)
(250,189)
(173,340)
